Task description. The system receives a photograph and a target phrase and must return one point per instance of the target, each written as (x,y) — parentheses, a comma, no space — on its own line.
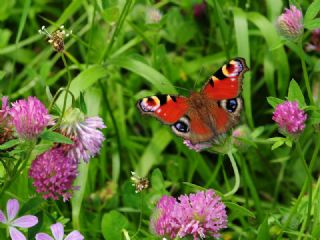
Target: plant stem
(308,180)
(305,74)
(305,185)
(279,180)
(250,183)
(120,22)
(113,119)
(56,207)
(5,166)
(236,175)
(141,212)
(313,161)
(17,169)
(126,234)
(294,209)
(54,99)
(215,172)
(66,89)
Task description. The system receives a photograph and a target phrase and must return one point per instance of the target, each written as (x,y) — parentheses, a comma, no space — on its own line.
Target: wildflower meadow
(163,119)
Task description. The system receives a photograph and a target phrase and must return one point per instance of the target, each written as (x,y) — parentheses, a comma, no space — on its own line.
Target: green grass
(112,59)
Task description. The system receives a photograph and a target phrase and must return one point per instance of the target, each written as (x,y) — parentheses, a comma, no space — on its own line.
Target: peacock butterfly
(205,115)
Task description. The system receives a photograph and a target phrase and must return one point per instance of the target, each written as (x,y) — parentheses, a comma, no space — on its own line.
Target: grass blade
(159,81)
(279,56)
(242,39)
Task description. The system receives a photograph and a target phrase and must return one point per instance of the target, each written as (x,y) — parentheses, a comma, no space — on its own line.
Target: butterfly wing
(227,114)
(167,108)
(177,112)
(226,82)
(200,129)
(207,119)
(205,115)
(220,101)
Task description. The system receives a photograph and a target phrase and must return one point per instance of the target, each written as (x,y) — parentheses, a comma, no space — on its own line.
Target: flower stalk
(308,180)
(236,175)
(66,89)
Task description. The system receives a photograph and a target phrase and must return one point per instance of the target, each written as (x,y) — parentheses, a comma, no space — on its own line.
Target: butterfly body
(204,115)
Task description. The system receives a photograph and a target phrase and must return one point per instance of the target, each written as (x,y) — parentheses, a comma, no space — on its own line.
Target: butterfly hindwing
(206,119)
(226,82)
(192,126)
(227,115)
(167,108)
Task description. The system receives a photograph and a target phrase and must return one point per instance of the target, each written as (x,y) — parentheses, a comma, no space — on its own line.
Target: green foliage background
(115,58)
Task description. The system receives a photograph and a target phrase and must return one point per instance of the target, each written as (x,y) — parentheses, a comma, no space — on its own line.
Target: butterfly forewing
(167,108)
(226,82)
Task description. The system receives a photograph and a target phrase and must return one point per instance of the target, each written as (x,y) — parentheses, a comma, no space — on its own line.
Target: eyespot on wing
(167,108)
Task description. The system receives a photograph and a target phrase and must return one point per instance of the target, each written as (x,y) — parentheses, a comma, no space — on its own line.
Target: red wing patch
(221,118)
(226,82)
(203,131)
(167,108)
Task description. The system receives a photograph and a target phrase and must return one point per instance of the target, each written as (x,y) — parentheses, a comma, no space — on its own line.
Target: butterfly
(203,116)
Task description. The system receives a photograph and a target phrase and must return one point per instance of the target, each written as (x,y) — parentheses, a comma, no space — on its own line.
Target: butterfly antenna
(185,89)
(177,87)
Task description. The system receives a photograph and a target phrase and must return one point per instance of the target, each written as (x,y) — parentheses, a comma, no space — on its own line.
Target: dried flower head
(85,133)
(314,44)
(56,38)
(29,117)
(140,183)
(290,23)
(106,193)
(153,16)
(26,221)
(290,118)
(53,174)
(199,215)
